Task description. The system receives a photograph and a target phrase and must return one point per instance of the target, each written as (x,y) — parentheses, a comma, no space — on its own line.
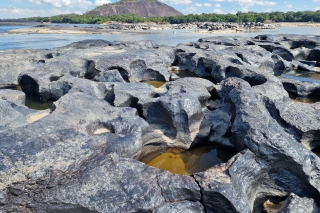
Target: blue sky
(29,8)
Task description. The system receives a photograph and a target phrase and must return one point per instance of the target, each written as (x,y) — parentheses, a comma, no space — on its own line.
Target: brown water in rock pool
(190,161)
(156,84)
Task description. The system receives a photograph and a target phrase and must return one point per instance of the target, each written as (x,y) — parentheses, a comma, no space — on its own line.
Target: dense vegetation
(305,16)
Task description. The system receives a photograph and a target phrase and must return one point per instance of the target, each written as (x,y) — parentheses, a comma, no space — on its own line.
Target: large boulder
(176,110)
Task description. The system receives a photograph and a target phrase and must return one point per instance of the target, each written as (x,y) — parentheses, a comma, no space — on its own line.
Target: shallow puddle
(190,161)
(156,84)
(313,77)
(34,102)
(183,73)
(309,100)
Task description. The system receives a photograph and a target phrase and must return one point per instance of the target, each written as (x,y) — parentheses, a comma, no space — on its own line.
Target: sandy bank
(296,24)
(62,30)
(76,30)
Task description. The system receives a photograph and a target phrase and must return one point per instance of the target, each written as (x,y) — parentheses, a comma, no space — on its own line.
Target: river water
(167,37)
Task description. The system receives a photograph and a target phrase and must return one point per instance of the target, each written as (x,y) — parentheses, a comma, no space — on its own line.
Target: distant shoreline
(99,29)
(18,23)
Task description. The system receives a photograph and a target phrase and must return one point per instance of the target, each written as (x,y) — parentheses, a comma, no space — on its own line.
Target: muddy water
(190,161)
(156,84)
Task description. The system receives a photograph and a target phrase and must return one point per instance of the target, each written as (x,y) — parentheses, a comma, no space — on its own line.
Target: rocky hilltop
(82,154)
(143,8)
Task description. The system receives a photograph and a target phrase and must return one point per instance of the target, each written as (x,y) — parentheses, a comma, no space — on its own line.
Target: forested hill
(304,16)
(143,8)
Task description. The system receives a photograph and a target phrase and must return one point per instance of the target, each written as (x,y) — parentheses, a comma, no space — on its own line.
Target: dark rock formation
(81,155)
(143,8)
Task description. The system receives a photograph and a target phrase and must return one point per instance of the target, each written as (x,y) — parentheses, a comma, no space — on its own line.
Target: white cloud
(246,3)
(12,12)
(207,5)
(198,4)
(288,5)
(218,10)
(245,9)
(101,2)
(64,3)
(217,5)
(16,10)
(253,2)
(178,1)
(190,10)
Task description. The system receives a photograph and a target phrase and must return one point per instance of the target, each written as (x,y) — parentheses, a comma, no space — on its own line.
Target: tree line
(301,16)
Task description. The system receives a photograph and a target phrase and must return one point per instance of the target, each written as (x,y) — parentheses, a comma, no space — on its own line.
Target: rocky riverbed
(82,151)
(199,27)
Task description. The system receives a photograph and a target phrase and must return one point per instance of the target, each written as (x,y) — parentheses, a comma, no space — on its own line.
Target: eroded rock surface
(81,155)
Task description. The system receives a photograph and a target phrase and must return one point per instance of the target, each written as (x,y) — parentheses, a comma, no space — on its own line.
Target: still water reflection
(190,161)
(34,102)
(313,77)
